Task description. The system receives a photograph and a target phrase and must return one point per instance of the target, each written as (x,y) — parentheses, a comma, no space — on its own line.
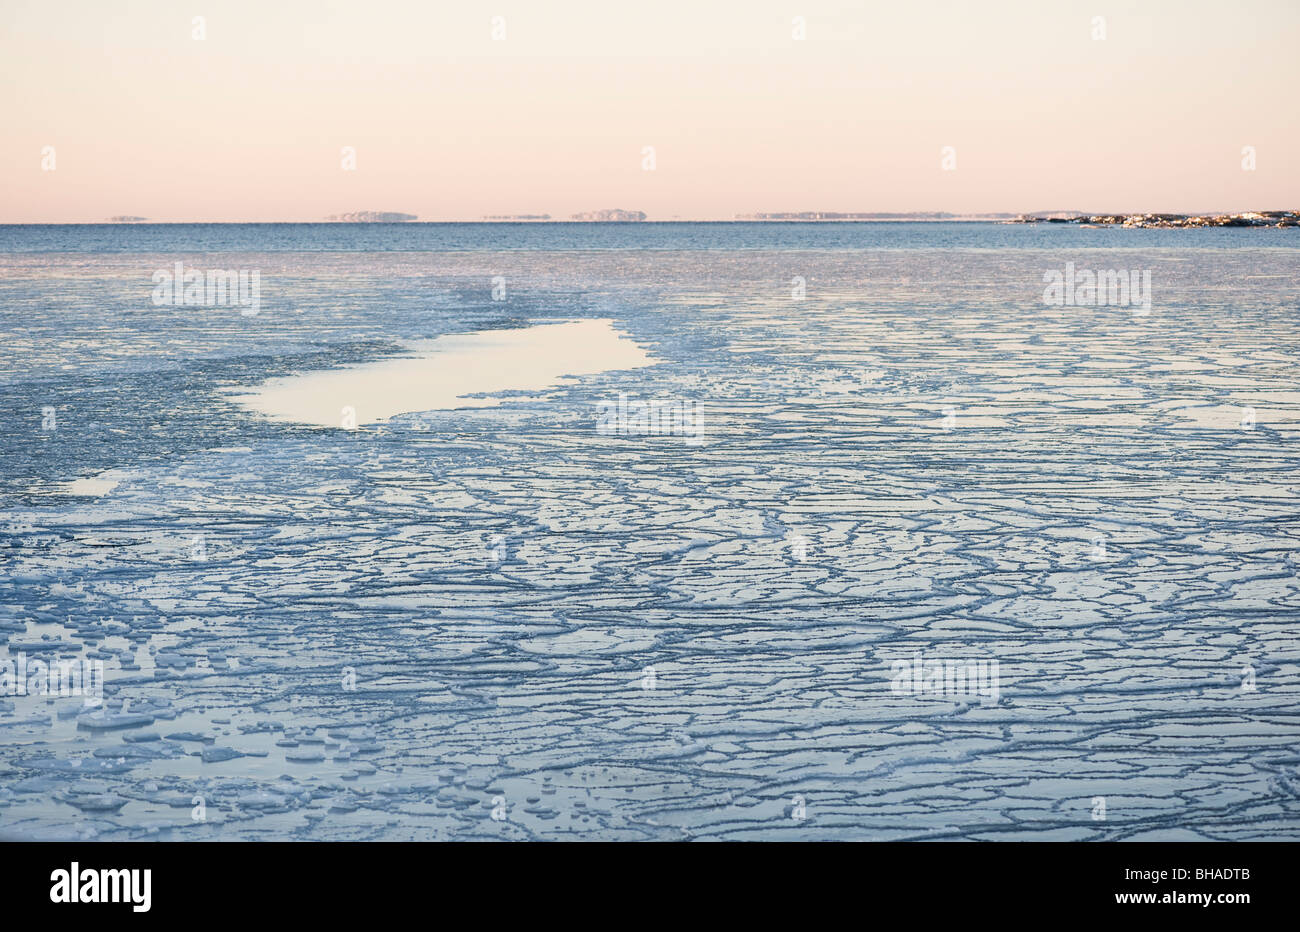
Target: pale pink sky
(448,123)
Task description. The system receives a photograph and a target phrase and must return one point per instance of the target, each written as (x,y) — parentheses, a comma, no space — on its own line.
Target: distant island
(126,218)
(612,215)
(516,218)
(371,216)
(1254,218)
(832,215)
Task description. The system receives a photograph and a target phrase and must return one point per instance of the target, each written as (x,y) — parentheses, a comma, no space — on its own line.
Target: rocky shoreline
(1262,218)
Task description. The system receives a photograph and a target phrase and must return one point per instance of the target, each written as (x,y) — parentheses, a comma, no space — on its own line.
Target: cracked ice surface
(397,631)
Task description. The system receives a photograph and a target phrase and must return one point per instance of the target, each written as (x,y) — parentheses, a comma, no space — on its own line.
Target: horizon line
(892,217)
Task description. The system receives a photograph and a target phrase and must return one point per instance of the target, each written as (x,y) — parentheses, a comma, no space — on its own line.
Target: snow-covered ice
(490,620)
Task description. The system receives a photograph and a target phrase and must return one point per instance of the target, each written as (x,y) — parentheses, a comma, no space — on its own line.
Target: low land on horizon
(1261,218)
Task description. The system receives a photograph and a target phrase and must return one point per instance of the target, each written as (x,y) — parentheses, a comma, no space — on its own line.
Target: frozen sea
(473,611)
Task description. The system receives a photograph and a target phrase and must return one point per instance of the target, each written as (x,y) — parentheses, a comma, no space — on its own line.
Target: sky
(119,109)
